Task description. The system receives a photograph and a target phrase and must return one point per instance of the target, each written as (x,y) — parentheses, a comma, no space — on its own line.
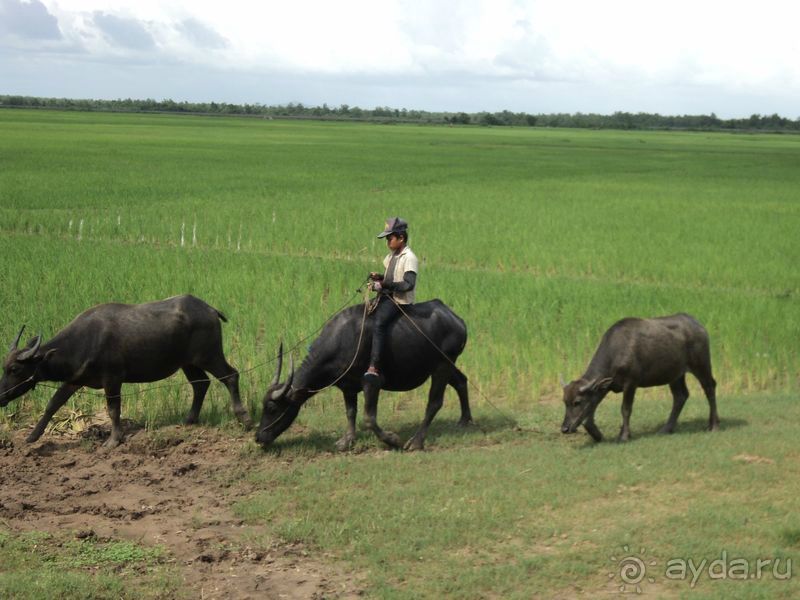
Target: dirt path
(174,488)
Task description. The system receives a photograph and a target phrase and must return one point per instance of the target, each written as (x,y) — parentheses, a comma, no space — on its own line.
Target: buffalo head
(19,368)
(581,398)
(278,408)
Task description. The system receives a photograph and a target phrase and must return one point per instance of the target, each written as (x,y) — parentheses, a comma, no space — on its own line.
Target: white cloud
(122,31)
(201,35)
(531,55)
(28,20)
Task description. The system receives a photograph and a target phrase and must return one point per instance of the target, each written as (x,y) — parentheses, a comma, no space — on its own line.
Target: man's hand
(376,286)
(376,276)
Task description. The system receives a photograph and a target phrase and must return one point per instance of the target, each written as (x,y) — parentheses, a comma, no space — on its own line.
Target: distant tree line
(617,120)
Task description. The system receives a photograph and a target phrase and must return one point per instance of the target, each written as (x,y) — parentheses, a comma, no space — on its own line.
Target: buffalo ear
(596,385)
(601,385)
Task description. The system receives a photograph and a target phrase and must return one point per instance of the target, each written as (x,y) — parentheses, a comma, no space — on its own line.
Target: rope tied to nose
(21,383)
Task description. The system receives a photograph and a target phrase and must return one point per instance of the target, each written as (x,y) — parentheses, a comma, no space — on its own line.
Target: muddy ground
(173,487)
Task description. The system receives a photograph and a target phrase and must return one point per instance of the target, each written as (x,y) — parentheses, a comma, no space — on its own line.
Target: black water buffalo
(112,344)
(336,358)
(642,353)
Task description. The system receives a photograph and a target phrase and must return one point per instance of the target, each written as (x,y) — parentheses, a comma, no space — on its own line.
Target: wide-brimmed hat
(394,225)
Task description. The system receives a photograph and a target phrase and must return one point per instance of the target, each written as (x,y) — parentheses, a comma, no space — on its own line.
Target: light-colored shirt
(406,261)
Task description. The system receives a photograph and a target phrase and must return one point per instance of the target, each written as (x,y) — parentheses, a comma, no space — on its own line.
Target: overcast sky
(733,58)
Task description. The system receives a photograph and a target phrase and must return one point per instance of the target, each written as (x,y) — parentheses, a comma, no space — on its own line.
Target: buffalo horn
(16,341)
(31,352)
(277,377)
(561,380)
(291,371)
(281,392)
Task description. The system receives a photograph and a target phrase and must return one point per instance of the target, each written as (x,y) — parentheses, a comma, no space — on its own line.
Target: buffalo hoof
(465,422)
(391,439)
(190,420)
(33,437)
(713,427)
(666,429)
(623,438)
(246,422)
(110,444)
(414,443)
(345,443)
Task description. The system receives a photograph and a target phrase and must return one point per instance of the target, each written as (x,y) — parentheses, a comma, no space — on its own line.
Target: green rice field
(540,239)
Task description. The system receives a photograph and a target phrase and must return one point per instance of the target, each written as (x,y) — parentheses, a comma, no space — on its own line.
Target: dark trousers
(383,317)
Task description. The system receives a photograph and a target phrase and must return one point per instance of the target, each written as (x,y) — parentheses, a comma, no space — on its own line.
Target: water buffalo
(112,344)
(642,353)
(336,357)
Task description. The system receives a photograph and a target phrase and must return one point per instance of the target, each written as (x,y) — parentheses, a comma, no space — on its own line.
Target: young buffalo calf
(642,353)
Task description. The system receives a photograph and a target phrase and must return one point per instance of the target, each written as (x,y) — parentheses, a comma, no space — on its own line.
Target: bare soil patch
(173,487)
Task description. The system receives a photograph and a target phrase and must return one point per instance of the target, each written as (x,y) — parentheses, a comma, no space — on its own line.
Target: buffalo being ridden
(642,353)
(112,344)
(428,347)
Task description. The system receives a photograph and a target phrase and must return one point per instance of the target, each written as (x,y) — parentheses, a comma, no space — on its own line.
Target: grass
(38,565)
(539,239)
(526,514)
